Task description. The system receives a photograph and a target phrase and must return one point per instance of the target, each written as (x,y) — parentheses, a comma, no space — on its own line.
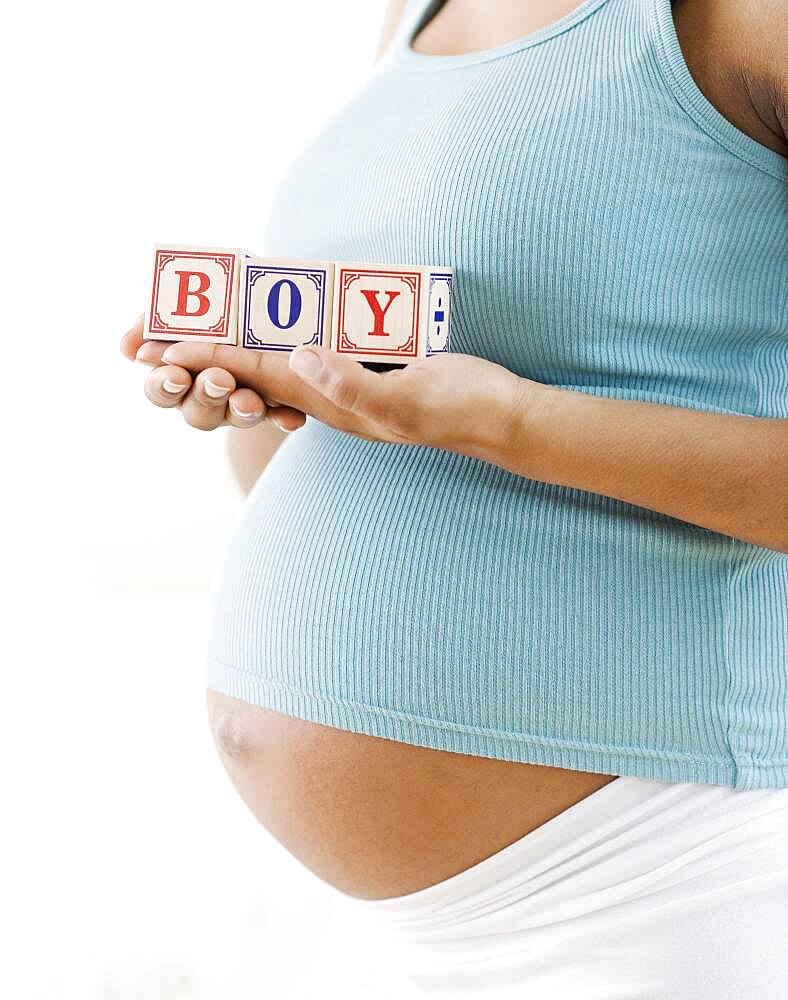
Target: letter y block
(391,313)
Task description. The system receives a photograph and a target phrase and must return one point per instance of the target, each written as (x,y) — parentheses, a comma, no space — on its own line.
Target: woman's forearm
(249,451)
(724,472)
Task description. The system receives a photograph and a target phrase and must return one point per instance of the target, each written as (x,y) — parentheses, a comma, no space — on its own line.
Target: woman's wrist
(514,431)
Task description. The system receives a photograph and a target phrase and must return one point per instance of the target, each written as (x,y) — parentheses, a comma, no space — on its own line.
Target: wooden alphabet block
(194,294)
(382,315)
(284,303)
(391,313)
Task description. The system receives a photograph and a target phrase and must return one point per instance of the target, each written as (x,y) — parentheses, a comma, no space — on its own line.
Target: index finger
(268,373)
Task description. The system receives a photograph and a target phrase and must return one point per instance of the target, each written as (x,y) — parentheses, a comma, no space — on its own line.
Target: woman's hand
(212,399)
(457,402)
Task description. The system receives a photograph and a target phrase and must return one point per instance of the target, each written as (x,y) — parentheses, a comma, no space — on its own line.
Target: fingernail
(281,428)
(169,386)
(214,390)
(243,414)
(144,353)
(306,363)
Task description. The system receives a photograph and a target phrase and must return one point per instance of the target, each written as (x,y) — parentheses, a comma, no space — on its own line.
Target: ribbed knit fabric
(611,233)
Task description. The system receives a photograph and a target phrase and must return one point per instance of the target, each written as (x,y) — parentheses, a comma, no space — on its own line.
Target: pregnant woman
(499,648)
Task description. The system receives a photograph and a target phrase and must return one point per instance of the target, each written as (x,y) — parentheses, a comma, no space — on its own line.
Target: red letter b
(183,293)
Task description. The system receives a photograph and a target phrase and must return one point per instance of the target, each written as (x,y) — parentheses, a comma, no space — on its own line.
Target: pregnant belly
(378,818)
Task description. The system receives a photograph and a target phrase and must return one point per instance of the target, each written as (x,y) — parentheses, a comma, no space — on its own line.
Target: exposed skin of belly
(378,818)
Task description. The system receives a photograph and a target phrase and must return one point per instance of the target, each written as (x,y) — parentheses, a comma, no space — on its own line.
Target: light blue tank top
(611,233)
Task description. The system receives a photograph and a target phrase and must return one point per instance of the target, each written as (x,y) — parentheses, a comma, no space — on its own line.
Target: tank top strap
(414,13)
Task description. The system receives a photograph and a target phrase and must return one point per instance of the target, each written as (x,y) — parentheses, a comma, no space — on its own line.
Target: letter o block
(284,303)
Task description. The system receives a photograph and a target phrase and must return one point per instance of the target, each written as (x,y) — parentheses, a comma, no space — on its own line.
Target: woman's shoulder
(391,20)
(737,52)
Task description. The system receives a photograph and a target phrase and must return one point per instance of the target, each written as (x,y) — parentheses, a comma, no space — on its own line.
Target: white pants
(644,890)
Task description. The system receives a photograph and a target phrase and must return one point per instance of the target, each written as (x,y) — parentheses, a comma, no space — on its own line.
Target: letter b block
(194,294)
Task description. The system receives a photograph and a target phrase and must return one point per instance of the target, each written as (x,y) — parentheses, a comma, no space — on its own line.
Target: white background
(129,868)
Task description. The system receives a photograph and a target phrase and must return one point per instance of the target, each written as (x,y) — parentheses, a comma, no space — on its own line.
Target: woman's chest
(586,216)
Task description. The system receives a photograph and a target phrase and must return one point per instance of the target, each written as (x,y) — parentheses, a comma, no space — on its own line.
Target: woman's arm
(725,472)
(390,22)
(250,450)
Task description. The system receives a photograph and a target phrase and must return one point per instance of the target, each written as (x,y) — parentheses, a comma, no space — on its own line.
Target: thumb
(343,381)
